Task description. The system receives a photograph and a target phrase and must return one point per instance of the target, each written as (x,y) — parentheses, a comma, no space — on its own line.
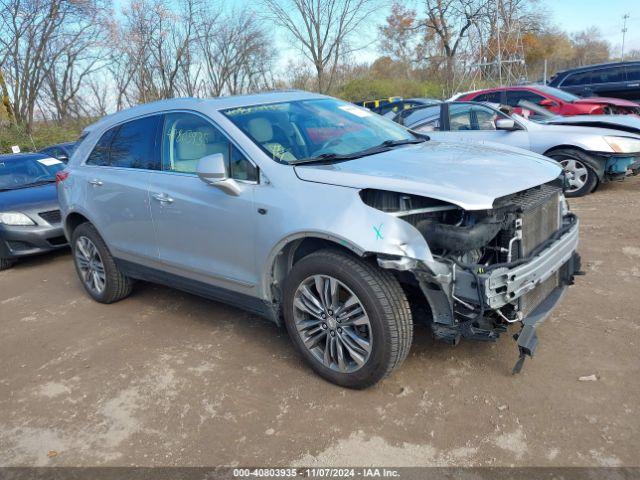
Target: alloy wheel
(576,173)
(90,265)
(332,323)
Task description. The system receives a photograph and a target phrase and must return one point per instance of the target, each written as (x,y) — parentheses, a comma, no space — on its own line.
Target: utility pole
(625,17)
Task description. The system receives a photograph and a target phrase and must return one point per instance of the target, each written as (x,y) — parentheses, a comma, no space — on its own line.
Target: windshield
(24,172)
(291,132)
(556,92)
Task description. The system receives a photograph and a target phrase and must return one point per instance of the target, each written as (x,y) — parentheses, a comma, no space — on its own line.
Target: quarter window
(489,97)
(134,144)
(100,154)
(186,138)
(633,72)
(514,97)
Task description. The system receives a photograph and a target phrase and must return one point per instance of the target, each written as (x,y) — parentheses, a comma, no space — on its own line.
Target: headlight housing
(623,144)
(15,219)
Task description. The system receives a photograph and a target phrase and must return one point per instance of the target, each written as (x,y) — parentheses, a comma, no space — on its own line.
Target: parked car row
(553,99)
(619,79)
(590,155)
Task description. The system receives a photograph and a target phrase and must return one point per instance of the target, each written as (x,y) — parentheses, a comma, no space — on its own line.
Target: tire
(115,285)
(574,162)
(389,329)
(5,264)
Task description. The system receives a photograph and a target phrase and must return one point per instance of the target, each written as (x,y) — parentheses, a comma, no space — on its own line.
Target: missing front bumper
(530,290)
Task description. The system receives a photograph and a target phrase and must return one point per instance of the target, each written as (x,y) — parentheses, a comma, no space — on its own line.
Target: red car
(553,99)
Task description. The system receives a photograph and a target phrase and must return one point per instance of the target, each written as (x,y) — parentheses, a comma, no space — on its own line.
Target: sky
(576,15)
(570,15)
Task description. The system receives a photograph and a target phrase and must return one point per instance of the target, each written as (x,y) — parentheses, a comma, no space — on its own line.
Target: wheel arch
(587,157)
(292,249)
(72,221)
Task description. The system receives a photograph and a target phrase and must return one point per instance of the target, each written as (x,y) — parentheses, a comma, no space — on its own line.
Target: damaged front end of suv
(489,268)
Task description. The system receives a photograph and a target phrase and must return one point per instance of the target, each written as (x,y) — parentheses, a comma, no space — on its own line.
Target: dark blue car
(29,211)
(61,151)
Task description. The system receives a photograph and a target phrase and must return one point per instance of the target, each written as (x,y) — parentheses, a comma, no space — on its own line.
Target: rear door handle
(162,198)
(95,182)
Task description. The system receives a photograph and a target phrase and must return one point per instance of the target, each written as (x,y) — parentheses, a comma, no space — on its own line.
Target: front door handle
(162,198)
(95,182)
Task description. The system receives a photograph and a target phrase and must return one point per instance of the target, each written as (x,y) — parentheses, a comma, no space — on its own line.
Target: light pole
(624,32)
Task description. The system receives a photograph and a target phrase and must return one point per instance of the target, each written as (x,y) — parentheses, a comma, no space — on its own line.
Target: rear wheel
(349,319)
(96,267)
(582,179)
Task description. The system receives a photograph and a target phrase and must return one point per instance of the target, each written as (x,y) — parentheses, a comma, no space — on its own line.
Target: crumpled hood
(608,101)
(470,176)
(626,123)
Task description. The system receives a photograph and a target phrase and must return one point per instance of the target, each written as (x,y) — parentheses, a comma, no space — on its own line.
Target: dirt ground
(166,378)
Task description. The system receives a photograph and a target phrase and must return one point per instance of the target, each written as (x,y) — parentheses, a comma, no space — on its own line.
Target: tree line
(70,59)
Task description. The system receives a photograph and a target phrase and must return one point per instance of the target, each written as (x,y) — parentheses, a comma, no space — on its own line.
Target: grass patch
(44,134)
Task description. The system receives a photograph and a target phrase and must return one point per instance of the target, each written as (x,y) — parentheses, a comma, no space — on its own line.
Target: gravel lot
(166,378)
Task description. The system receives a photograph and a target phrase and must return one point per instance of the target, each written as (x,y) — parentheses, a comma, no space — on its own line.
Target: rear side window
(134,144)
(575,79)
(490,97)
(514,97)
(608,75)
(100,154)
(130,145)
(633,72)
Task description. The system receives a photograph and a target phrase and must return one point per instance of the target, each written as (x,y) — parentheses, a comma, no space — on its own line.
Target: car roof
(218,103)
(63,144)
(598,65)
(22,156)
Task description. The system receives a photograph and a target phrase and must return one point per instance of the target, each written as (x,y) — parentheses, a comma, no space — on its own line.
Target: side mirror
(506,124)
(213,171)
(545,102)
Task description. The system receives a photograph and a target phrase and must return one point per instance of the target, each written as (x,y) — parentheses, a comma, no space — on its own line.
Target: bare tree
(153,50)
(450,21)
(237,53)
(81,54)
(28,31)
(322,28)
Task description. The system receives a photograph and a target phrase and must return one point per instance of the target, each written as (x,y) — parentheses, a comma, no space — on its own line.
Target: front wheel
(5,263)
(582,179)
(349,319)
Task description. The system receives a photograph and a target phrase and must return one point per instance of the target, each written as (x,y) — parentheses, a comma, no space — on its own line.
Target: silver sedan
(588,155)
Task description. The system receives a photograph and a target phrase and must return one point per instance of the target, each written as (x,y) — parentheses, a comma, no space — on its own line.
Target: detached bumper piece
(527,339)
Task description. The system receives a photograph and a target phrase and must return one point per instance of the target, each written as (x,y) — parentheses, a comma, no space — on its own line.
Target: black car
(617,80)
(61,151)
(29,212)
(390,107)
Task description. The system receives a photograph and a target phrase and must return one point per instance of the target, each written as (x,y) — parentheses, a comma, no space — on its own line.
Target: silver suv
(322,216)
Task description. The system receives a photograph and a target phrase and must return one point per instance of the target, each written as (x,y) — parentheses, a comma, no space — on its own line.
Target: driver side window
(460,117)
(472,117)
(186,138)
